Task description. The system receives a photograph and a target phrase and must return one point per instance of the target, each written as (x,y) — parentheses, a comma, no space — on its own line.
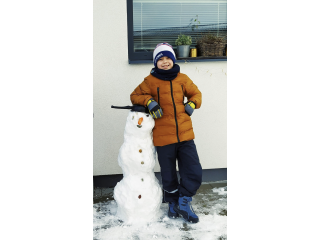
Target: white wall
(114,80)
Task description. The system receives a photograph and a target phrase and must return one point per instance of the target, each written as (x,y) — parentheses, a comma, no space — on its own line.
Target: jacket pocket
(158,91)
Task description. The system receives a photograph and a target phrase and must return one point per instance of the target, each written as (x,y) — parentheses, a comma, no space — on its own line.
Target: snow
(210,206)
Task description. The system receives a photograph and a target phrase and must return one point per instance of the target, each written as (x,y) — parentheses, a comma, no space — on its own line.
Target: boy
(163,93)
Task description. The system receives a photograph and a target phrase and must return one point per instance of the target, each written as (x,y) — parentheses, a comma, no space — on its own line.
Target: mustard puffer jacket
(175,125)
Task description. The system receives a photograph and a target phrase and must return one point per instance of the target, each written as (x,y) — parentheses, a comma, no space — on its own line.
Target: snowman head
(139,124)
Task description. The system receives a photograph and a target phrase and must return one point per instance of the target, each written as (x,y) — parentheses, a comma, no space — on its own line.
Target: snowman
(138,194)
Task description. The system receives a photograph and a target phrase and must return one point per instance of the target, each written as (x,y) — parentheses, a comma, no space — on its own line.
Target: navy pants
(190,170)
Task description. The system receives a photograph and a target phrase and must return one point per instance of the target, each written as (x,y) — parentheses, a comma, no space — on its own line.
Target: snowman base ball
(138,205)
(138,194)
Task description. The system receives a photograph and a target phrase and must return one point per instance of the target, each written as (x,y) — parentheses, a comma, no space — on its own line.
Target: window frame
(147,57)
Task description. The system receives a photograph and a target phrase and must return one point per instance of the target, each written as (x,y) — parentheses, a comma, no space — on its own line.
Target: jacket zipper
(175,114)
(158,96)
(182,95)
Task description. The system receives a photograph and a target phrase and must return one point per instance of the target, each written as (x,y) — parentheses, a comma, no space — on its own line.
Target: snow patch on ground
(211,207)
(220,191)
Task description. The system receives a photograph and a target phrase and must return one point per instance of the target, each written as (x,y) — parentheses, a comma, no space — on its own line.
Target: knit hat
(161,50)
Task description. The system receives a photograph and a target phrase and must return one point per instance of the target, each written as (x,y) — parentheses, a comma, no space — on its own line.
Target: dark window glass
(151,22)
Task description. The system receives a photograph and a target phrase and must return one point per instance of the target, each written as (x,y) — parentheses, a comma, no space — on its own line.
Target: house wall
(114,80)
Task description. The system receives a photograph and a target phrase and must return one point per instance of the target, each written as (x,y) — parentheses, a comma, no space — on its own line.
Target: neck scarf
(166,75)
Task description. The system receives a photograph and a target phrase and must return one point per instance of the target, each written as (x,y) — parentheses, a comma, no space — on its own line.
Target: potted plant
(211,45)
(183,43)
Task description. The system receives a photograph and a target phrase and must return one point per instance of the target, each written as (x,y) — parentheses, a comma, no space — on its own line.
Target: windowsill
(201,59)
(187,59)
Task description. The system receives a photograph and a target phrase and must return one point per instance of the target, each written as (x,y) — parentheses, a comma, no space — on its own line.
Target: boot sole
(173,215)
(184,214)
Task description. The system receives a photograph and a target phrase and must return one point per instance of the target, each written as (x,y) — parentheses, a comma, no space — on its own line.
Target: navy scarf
(166,75)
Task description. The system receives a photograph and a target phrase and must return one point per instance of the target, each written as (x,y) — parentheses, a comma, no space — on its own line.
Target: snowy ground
(210,204)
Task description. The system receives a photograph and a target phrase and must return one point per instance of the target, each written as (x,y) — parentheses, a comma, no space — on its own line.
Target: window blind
(162,21)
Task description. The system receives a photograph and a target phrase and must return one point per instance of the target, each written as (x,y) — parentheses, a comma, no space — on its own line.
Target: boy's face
(165,63)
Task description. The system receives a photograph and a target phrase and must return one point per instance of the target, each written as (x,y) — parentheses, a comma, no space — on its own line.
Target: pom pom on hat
(161,50)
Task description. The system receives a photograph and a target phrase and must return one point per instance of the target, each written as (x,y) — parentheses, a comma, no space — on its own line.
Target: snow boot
(171,212)
(185,209)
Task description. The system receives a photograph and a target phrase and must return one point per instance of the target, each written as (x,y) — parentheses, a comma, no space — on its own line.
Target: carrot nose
(140,121)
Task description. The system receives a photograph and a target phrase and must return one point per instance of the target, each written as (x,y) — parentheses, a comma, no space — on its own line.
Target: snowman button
(142,162)
(139,196)
(140,151)
(142,179)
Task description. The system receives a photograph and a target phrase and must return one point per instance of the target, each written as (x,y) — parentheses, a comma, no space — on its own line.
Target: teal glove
(189,108)
(154,108)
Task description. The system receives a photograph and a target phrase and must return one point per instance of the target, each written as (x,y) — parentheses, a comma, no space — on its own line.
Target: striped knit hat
(161,50)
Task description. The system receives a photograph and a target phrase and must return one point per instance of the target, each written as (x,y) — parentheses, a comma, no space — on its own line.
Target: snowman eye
(147,115)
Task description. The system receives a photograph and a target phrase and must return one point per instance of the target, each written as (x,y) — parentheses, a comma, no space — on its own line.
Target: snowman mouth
(139,126)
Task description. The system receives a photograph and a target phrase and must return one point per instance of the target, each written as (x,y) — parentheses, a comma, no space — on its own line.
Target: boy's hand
(154,108)
(189,107)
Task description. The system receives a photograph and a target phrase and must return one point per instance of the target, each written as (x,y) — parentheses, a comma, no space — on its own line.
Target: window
(153,21)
